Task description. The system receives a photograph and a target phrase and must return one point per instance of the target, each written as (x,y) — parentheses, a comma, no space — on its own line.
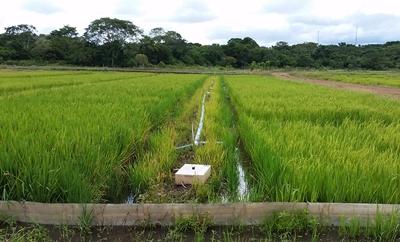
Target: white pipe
(200,143)
(184,146)
(201,123)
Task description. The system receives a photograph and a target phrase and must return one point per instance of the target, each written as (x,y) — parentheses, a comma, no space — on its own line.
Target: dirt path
(379,90)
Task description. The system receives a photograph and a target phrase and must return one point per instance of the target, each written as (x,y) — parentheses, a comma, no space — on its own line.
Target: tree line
(120,43)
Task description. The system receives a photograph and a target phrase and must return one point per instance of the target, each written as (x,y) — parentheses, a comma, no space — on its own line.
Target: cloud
(193,11)
(42,6)
(377,28)
(286,6)
(208,21)
(383,21)
(128,7)
(371,28)
(314,20)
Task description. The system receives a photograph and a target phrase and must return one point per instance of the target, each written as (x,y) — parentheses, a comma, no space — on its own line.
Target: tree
(213,54)
(229,61)
(20,30)
(19,39)
(141,60)
(66,32)
(110,35)
(115,42)
(66,45)
(42,48)
(241,50)
(157,34)
(175,43)
(107,30)
(155,51)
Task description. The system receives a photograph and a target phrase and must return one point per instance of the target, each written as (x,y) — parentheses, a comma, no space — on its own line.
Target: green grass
(358,77)
(310,143)
(74,143)
(288,225)
(382,228)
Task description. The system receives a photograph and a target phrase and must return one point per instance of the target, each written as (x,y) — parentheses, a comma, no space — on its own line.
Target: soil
(379,90)
(158,233)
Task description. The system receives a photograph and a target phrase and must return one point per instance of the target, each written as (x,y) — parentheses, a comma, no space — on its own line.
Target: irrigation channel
(198,138)
(242,187)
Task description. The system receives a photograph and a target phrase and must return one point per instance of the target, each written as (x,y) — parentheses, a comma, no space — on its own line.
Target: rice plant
(311,143)
(74,143)
(18,81)
(151,175)
(384,78)
(219,150)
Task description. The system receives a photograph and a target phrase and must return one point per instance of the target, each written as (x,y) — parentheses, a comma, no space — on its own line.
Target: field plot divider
(168,213)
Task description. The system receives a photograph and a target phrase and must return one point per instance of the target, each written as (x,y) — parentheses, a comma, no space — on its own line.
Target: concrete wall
(166,214)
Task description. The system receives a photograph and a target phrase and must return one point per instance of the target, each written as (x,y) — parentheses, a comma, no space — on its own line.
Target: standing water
(242,185)
(131,199)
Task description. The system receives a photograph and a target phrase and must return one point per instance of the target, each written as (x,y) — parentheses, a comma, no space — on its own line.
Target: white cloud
(286,6)
(193,11)
(42,6)
(208,21)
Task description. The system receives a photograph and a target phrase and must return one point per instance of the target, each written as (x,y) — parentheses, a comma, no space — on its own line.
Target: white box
(192,173)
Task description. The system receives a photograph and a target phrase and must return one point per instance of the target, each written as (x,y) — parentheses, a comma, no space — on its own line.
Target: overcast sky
(215,21)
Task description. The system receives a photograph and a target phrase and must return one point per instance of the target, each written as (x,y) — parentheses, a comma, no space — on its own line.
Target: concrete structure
(167,214)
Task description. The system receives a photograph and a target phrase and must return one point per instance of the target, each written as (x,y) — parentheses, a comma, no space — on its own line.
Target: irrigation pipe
(196,138)
(201,123)
(201,143)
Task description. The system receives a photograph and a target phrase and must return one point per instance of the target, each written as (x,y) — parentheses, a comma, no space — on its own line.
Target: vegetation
(68,136)
(281,226)
(74,143)
(152,172)
(12,83)
(98,136)
(153,167)
(219,149)
(310,143)
(288,225)
(120,43)
(367,78)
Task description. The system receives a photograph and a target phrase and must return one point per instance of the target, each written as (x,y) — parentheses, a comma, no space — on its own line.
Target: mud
(158,233)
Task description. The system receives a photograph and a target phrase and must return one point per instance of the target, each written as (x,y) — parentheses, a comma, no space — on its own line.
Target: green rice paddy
(88,136)
(381,78)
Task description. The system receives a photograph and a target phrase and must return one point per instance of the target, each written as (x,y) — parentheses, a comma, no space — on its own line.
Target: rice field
(74,143)
(311,143)
(381,78)
(89,136)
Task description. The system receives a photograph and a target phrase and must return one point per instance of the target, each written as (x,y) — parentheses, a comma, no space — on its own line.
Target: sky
(216,21)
